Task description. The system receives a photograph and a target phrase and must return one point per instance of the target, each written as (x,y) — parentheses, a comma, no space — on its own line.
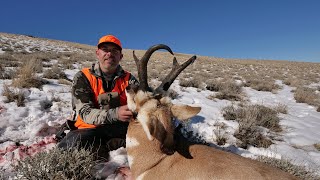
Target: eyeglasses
(113,51)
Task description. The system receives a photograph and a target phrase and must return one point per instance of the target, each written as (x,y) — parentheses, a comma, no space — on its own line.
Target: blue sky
(256,29)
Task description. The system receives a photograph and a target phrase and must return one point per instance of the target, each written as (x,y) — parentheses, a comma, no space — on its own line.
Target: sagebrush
(57,164)
(27,78)
(287,166)
(250,118)
(13,96)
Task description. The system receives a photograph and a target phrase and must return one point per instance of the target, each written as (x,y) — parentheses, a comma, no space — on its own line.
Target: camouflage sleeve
(83,103)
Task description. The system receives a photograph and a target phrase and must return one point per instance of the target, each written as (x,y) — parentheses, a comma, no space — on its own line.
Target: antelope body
(155,151)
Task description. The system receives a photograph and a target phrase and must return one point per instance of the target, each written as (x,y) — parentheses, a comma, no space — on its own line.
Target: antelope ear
(184,112)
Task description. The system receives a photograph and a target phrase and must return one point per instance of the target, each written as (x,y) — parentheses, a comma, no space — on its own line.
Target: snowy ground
(301,124)
(32,124)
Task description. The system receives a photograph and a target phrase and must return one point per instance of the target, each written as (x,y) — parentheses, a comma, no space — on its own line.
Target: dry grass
(28,82)
(265,116)
(262,84)
(12,96)
(213,85)
(8,60)
(34,64)
(8,93)
(6,74)
(307,95)
(248,133)
(26,76)
(287,166)
(9,74)
(57,164)
(219,133)
(190,83)
(291,81)
(54,73)
(317,146)
(281,108)
(250,118)
(67,60)
(229,90)
(46,56)
(230,112)
(160,66)
(228,96)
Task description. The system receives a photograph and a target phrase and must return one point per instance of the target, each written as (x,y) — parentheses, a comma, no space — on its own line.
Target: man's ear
(97,52)
(184,112)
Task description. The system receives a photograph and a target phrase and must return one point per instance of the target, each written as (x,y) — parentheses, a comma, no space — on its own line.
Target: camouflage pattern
(83,97)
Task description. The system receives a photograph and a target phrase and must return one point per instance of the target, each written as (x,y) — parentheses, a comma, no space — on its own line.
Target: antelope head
(153,108)
(153,156)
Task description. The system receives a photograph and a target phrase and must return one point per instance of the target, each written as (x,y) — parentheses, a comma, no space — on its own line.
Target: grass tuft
(54,73)
(26,77)
(307,95)
(281,108)
(260,84)
(228,90)
(6,74)
(287,166)
(250,118)
(57,164)
(190,83)
(219,132)
(12,96)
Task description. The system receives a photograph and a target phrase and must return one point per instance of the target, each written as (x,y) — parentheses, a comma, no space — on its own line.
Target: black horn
(175,71)
(142,65)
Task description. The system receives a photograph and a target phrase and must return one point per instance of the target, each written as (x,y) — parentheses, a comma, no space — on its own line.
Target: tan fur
(183,112)
(145,116)
(190,161)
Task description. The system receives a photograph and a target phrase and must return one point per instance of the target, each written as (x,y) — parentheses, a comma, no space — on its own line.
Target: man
(100,103)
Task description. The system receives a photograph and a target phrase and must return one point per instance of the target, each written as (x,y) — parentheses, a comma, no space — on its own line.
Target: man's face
(109,56)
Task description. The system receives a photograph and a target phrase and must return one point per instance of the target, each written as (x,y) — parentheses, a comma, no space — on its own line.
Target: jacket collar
(96,70)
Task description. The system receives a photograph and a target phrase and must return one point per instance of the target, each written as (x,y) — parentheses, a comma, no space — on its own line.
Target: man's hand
(124,114)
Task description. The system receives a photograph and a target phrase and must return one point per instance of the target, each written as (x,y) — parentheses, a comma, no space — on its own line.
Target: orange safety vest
(96,86)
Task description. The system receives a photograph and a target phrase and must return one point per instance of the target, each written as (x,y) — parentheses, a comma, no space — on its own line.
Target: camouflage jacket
(82,97)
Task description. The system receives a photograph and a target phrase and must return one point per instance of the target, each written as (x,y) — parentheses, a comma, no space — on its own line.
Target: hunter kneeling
(100,103)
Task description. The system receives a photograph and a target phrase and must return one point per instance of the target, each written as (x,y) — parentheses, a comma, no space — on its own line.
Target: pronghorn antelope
(155,152)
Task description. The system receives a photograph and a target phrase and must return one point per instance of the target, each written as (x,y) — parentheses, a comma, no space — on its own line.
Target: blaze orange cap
(110,39)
